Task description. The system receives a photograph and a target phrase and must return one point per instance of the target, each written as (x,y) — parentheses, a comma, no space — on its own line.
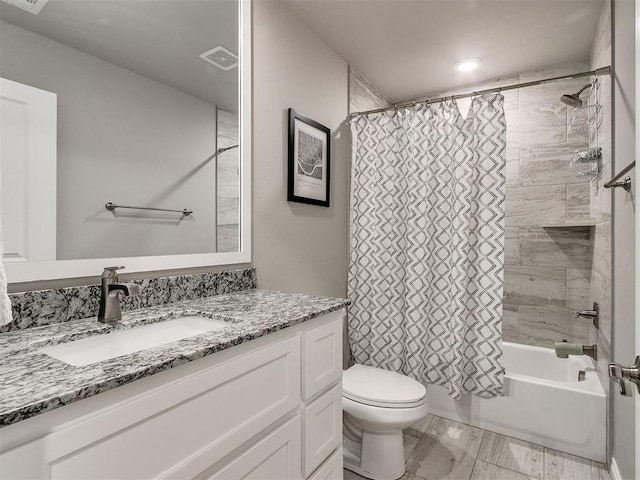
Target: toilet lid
(378,387)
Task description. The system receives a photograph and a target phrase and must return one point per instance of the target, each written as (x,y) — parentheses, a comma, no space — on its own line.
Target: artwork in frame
(309,161)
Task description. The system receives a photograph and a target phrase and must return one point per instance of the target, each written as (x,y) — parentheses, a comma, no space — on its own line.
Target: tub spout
(564,349)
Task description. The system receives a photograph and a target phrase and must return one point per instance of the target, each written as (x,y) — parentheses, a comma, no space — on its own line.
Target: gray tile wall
(601,201)
(363,95)
(548,271)
(228,184)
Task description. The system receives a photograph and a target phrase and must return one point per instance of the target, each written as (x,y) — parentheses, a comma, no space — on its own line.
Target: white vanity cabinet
(270,408)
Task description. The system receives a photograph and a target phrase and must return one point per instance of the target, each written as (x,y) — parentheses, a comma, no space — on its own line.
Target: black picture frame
(309,162)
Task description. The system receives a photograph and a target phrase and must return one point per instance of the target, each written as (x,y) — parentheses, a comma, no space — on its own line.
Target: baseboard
(615,472)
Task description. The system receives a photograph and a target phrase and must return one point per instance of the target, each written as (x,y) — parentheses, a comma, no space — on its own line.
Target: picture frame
(309,163)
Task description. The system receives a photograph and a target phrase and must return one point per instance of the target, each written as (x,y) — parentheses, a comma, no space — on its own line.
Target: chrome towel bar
(626,183)
(112,206)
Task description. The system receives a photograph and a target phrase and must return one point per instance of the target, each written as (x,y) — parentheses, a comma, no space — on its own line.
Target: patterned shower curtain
(427,243)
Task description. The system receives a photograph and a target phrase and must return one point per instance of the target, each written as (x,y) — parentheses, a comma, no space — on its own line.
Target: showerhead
(573,100)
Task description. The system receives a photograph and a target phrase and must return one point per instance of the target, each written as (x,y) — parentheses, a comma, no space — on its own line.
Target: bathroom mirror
(114,104)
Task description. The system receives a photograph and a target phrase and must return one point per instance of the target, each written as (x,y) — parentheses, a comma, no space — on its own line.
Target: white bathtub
(543,403)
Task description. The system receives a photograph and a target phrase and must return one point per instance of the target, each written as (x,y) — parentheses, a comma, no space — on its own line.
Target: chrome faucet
(110,311)
(593,314)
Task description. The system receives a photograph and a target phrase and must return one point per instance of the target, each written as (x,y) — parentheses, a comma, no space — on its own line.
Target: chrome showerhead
(573,100)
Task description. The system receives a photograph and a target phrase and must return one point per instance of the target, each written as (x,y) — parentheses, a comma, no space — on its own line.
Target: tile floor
(439,449)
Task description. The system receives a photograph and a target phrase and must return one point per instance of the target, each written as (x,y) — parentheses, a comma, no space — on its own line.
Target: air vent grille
(31,6)
(221,58)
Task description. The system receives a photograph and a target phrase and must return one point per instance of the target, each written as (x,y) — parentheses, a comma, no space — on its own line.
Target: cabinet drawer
(276,457)
(331,470)
(322,428)
(322,356)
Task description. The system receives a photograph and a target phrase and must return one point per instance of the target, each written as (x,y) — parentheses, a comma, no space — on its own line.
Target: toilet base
(380,456)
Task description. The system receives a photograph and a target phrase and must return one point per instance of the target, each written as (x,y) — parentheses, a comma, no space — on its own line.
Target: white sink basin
(111,345)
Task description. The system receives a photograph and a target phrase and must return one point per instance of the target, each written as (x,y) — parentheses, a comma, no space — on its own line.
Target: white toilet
(377,404)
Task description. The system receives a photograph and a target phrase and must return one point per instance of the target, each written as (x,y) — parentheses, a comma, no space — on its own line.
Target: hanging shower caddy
(587,119)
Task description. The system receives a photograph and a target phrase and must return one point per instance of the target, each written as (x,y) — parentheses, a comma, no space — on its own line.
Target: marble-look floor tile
(410,444)
(526,206)
(513,454)
(544,286)
(446,451)
(557,247)
(349,475)
(562,466)
(578,288)
(489,471)
(418,428)
(542,326)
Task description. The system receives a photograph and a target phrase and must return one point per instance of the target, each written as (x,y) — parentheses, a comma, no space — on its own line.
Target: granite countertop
(33,382)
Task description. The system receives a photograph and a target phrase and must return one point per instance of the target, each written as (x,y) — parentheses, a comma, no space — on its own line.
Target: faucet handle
(111,272)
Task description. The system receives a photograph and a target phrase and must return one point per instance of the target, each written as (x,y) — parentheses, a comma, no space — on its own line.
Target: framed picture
(309,161)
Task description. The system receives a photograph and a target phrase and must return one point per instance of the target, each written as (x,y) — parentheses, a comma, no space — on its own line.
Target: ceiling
(408,48)
(159,39)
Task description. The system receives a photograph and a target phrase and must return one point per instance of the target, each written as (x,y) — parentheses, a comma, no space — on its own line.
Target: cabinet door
(322,356)
(276,457)
(322,422)
(174,431)
(331,470)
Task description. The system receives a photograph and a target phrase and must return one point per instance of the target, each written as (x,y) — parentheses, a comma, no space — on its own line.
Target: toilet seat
(381,388)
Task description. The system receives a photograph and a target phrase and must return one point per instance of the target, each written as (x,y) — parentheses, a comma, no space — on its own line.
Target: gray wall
(296,247)
(624,449)
(122,138)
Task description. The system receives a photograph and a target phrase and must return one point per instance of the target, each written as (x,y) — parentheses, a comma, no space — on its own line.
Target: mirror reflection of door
(137,121)
(28,172)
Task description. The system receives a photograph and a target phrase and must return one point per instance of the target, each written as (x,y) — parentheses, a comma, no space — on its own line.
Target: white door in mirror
(28,129)
(104,347)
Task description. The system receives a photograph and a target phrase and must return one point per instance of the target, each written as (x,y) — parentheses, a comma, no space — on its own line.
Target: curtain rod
(597,72)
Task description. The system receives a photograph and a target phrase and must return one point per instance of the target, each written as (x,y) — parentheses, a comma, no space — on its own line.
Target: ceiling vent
(31,6)
(221,58)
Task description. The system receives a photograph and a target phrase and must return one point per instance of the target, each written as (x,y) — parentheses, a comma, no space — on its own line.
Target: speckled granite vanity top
(33,382)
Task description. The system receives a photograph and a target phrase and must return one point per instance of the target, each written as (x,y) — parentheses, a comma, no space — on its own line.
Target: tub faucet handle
(632,373)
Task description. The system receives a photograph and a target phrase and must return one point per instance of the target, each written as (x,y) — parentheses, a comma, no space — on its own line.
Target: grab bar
(626,183)
(112,206)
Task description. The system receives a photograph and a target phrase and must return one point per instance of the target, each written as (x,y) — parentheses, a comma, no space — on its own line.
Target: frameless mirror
(122,135)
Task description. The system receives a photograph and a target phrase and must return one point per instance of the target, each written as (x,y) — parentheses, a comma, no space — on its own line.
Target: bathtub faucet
(564,349)
(593,314)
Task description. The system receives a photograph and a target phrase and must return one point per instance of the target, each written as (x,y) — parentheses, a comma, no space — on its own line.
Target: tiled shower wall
(228,184)
(601,200)
(363,95)
(548,270)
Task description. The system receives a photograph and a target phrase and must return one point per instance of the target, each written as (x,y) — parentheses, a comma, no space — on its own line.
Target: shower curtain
(427,243)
